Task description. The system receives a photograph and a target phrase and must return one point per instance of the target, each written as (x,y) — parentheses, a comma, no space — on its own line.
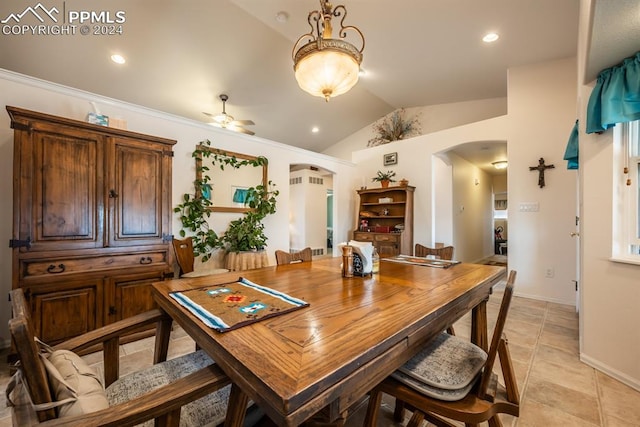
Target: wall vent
(315,180)
(296,180)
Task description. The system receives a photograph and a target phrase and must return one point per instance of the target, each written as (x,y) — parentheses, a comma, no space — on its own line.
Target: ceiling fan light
(223,119)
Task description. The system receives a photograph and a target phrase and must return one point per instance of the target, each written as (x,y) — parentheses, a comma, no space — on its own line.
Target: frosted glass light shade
(327,73)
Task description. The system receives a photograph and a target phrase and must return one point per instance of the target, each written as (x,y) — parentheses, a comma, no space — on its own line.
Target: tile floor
(556,389)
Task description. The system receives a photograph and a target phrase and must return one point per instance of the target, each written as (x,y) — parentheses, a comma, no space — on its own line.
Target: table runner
(228,306)
(429,262)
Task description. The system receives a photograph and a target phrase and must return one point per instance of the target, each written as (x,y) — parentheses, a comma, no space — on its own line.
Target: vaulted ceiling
(182,55)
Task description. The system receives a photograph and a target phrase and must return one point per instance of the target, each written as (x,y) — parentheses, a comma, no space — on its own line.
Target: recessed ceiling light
(490,38)
(315,129)
(118,59)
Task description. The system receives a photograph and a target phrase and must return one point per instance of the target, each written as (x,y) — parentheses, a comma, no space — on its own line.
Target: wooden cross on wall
(541,168)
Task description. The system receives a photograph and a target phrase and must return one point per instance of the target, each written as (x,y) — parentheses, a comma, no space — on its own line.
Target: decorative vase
(384,183)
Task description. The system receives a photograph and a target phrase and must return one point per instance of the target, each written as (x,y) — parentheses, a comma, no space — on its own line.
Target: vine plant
(243,234)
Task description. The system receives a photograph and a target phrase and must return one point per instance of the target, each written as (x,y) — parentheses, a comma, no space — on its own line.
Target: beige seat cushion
(207,411)
(82,379)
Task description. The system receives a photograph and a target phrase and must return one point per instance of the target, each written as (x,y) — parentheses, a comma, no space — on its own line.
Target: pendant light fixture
(325,66)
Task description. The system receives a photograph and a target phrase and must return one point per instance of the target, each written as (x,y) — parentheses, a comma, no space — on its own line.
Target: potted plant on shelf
(384,178)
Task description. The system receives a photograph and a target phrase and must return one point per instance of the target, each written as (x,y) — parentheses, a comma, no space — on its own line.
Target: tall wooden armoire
(91,221)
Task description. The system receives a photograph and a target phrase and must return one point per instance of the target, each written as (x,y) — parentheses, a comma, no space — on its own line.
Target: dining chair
(283,257)
(55,385)
(453,379)
(188,264)
(445,252)
(183,248)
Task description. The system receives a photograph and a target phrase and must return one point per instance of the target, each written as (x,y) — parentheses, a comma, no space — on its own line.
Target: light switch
(529,207)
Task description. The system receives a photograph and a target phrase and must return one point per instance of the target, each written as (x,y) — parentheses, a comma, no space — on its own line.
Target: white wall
(442,231)
(542,112)
(33,94)
(472,211)
(432,118)
(308,211)
(610,291)
(416,163)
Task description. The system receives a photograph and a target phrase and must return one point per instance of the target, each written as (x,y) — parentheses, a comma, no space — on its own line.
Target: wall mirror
(229,185)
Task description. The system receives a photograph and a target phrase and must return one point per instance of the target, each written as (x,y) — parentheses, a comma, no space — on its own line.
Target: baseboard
(539,298)
(634,383)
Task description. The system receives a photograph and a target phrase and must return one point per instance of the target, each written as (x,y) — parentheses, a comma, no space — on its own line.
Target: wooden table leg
(163,335)
(237,407)
(479,325)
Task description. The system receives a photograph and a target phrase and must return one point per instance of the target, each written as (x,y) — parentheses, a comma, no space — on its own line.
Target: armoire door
(61,189)
(138,188)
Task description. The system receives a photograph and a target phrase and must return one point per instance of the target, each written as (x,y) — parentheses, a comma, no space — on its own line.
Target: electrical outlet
(549,273)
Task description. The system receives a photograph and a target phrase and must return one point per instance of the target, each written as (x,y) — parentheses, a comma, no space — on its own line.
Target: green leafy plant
(393,128)
(245,233)
(384,176)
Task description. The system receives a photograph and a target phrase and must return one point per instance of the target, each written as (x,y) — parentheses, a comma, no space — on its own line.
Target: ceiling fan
(226,121)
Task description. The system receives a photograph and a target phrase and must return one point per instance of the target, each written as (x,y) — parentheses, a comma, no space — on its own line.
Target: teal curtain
(240,196)
(616,96)
(571,152)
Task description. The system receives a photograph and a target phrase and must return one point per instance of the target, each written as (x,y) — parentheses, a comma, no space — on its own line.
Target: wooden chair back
(445,252)
(497,336)
(32,367)
(184,254)
(283,258)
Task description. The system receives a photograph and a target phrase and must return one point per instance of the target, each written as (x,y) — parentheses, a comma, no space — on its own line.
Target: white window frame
(626,206)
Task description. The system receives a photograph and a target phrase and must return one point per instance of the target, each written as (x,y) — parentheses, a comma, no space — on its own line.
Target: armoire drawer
(64,266)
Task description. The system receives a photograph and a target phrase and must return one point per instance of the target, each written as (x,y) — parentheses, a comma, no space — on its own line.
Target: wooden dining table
(325,357)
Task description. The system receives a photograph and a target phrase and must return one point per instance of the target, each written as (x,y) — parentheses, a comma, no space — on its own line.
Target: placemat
(416,260)
(231,305)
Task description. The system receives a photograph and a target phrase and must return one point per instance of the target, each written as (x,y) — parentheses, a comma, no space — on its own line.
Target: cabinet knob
(113,194)
(146,260)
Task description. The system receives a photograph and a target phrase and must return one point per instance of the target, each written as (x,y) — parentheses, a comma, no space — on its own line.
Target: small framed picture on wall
(390,159)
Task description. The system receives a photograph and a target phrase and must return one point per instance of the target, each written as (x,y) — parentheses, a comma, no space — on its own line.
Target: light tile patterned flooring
(556,388)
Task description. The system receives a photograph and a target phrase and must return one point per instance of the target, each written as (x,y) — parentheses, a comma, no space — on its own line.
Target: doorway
(479,199)
(311,209)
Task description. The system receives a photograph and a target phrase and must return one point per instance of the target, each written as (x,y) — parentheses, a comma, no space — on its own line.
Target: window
(626,244)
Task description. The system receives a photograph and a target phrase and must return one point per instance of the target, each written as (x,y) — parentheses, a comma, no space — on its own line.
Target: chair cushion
(81,378)
(207,411)
(445,369)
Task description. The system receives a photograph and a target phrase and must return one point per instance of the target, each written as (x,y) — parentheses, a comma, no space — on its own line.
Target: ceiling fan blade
(241,130)
(243,122)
